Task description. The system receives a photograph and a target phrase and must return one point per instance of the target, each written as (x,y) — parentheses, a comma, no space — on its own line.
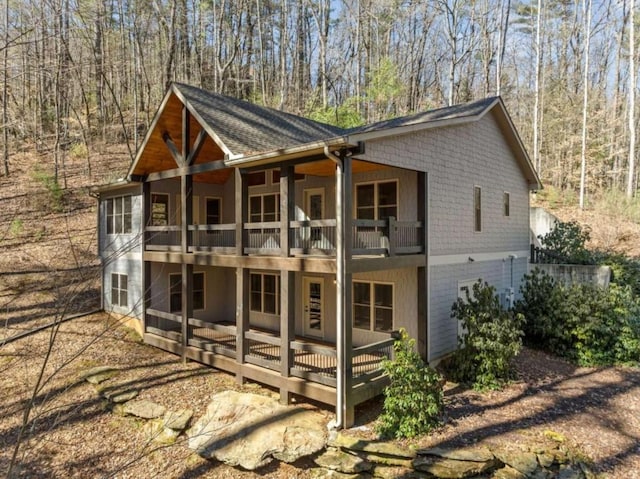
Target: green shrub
(543,304)
(491,340)
(568,240)
(584,323)
(413,401)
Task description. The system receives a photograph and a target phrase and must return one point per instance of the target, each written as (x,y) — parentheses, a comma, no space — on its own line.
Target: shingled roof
(455,112)
(245,128)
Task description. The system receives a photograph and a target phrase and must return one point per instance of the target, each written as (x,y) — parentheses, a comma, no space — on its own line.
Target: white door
(313,306)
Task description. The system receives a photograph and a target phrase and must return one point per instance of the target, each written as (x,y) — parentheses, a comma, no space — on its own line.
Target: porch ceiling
(328,167)
(156,157)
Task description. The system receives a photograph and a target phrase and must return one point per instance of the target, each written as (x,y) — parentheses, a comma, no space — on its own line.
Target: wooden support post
(287,206)
(187,306)
(423,272)
(347,214)
(186,197)
(242,317)
(287,329)
(241,196)
(146,265)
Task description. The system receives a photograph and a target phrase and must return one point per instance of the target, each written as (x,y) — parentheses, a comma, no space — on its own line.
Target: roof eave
(427,125)
(533,179)
(298,151)
(116,185)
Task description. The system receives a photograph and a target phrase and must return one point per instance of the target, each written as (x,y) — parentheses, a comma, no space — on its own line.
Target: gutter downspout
(340,276)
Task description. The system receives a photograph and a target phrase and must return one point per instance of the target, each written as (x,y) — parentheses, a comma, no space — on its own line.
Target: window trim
(111,218)
(477,209)
(506,204)
(262,293)
(373,306)
(119,290)
(204,291)
(376,203)
(168,196)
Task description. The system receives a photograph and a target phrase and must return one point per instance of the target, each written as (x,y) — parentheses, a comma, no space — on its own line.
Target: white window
(159,209)
(377,201)
(373,306)
(264,208)
(119,290)
(477,209)
(175,292)
(119,215)
(265,293)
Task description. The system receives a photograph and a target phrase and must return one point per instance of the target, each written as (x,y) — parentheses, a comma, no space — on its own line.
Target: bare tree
(632,100)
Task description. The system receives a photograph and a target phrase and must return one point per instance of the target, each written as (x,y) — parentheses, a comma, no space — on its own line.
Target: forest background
(80,74)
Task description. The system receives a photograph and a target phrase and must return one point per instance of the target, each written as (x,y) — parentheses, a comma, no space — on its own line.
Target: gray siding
(457,159)
(443,330)
(122,253)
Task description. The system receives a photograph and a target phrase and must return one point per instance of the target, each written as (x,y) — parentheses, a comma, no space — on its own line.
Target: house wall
(443,292)
(122,253)
(220,291)
(457,159)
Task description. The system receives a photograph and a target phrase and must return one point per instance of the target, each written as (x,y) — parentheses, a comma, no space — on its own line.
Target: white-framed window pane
(384,319)
(361,293)
(124,298)
(384,295)
(362,316)
(365,195)
(255,297)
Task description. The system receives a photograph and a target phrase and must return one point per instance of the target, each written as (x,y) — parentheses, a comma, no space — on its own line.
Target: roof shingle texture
(246,128)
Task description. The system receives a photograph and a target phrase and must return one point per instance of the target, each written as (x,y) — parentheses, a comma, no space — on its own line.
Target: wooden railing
(388,237)
(213,337)
(161,323)
(313,236)
(366,360)
(162,237)
(308,237)
(314,362)
(262,238)
(214,238)
(263,349)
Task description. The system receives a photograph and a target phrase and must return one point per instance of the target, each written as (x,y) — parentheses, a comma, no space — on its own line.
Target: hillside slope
(48,263)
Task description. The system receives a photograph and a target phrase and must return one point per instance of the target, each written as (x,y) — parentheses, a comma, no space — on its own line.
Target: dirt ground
(71,434)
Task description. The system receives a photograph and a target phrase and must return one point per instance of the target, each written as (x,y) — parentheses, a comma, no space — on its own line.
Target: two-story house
(287,252)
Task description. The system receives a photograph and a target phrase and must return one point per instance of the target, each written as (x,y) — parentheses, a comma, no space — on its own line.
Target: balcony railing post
(393,232)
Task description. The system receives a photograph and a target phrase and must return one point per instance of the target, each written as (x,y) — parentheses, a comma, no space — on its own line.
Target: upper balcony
(387,237)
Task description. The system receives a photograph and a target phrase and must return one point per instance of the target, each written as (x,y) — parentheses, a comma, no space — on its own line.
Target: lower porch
(305,366)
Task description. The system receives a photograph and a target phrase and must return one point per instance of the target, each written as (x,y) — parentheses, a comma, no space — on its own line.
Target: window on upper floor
(159,209)
(477,209)
(264,208)
(373,306)
(119,290)
(265,293)
(119,215)
(175,291)
(377,201)
(505,203)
